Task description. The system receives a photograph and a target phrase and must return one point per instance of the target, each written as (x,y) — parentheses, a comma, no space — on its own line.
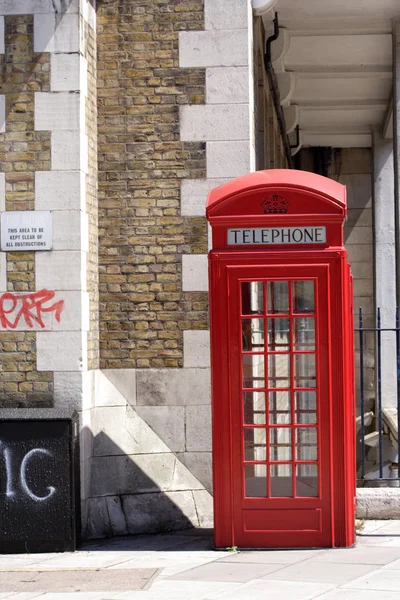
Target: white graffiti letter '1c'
(8,462)
(24,484)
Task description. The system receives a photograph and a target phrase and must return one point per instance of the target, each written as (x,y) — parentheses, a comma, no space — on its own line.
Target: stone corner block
(196,348)
(73,389)
(213,48)
(2,41)
(57,111)
(61,270)
(214,122)
(68,73)
(61,351)
(195,273)
(2,192)
(194,193)
(69,151)
(2,113)
(59,190)
(220,14)
(228,159)
(378,503)
(56,33)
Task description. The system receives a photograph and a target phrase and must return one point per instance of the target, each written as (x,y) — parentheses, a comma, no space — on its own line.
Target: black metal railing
(378,421)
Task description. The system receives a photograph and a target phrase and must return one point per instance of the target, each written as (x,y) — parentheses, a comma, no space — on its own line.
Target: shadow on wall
(125,500)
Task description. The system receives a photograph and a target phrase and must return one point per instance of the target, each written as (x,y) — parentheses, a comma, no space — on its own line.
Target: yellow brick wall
(22,152)
(142,236)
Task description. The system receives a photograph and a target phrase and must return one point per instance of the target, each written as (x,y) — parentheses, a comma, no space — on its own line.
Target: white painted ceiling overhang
(333,60)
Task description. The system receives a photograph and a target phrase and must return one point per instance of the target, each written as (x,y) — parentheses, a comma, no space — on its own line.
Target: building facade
(119,119)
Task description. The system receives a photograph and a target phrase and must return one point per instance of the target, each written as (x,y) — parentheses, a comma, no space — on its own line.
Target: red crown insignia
(275,205)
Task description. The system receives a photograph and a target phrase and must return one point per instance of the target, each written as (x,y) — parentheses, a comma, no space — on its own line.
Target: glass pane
(253,335)
(280,440)
(281,481)
(278,335)
(279,408)
(306,407)
(306,444)
(255,481)
(307,481)
(252,297)
(255,444)
(304,334)
(278,297)
(279,370)
(303,296)
(254,408)
(304,370)
(253,371)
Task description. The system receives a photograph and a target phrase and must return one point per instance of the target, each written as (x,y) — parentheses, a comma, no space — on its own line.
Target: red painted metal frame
(313,200)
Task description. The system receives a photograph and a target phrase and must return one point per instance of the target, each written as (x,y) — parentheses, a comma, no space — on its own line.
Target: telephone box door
(280,405)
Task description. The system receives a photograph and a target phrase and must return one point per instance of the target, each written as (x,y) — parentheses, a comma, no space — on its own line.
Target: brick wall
(22,152)
(142,235)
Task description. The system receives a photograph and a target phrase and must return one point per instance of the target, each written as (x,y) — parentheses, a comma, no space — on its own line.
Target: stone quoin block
(2,192)
(56,33)
(70,230)
(220,14)
(2,113)
(59,190)
(25,7)
(56,111)
(2,45)
(71,315)
(3,272)
(195,273)
(215,122)
(173,387)
(227,85)
(228,159)
(73,390)
(68,73)
(213,48)
(194,193)
(61,351)
(196,349)
(61,270)
(69,151)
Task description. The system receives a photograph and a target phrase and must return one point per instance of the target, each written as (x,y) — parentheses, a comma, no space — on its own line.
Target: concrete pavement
(184,566)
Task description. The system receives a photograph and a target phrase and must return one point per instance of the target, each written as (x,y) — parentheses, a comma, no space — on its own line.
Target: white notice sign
(277,235)
(25,230)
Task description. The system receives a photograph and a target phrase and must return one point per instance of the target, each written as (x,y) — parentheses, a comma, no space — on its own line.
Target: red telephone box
(282,363)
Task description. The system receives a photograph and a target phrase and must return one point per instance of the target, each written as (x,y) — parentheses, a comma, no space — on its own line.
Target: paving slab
(361,555)
(161,560)
(287,557)
(180,590)
(340,594)
(273,590)
(318,572)
(219,571)
(380,580)
(75,581)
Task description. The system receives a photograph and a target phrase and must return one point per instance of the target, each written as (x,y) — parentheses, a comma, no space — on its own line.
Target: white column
(385,261)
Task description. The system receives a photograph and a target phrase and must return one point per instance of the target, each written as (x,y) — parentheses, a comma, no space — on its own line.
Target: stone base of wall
(150,452)
(378,503)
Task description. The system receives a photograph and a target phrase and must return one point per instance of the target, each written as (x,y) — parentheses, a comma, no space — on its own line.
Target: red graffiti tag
(28,307)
